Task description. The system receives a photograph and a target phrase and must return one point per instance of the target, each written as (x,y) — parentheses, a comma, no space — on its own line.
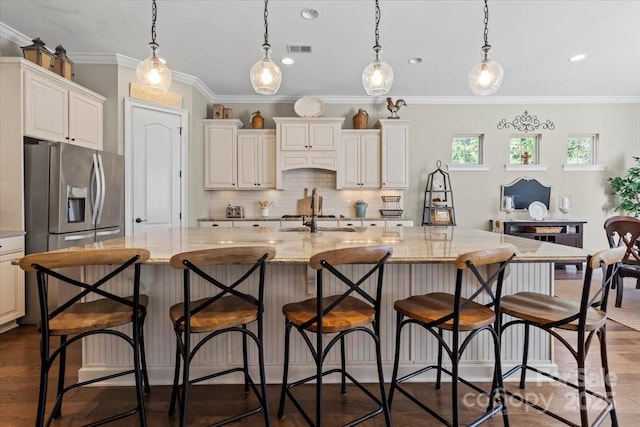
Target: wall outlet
(348,204)
(228,203)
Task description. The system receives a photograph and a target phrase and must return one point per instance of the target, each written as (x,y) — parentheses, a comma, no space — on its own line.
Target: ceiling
(218,41)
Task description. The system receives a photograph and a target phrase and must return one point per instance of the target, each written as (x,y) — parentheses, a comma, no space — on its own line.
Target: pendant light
(153,73)
(486,77)
(377,77)
(265,75)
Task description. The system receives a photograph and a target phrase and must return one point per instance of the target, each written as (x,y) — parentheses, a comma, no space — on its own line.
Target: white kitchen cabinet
(394,160)
(220,154)
(59,110)
(398,223)
(11,282)
(258,223)
(373,223)
(364,222)
(360,160)
(215,224)
(256,159)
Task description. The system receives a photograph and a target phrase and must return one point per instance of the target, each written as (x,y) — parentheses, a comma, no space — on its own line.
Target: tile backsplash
(284,202)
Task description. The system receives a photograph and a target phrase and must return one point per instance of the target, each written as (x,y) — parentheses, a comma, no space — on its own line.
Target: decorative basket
(390,212)
(543,230)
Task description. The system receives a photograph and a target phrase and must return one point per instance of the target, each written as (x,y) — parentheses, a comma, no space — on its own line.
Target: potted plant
(627,189)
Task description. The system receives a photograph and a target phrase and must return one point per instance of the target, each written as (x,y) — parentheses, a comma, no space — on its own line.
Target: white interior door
(155,164)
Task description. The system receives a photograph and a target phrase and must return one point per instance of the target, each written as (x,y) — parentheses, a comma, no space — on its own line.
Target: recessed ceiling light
(414,61)
(287,61)
(578,57)
(309,14)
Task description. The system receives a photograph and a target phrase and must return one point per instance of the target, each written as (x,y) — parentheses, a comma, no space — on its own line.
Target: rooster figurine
(394,107)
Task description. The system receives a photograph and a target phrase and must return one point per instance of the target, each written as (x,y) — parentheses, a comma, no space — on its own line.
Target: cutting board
(304,205)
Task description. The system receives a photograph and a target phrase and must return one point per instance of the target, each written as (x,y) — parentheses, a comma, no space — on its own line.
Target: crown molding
(109,58)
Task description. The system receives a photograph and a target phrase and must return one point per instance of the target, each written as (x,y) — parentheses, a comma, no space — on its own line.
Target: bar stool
(437,312)
(227,311)
(585,317)
(353,310)
(74,319)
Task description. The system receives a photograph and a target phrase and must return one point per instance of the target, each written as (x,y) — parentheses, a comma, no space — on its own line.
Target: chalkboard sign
(525,191)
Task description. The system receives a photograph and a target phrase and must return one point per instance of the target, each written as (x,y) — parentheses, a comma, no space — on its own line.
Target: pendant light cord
(266,25)
(154,15)
(486,27)
(377,33)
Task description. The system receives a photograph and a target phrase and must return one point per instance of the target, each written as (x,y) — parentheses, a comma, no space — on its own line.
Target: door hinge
(180,130)
(180,216)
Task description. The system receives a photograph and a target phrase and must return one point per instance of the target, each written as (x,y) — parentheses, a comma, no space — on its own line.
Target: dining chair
(228,309)
(585,317)
(95,309)
(625,231)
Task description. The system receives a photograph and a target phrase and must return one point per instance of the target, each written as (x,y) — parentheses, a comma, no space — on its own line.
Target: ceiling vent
(298,48)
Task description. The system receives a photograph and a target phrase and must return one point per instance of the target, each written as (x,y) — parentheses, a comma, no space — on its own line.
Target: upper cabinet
(256,159)
(359,160)
(237,159)
(221,154)
(394,152)
(59,110)
(306,143)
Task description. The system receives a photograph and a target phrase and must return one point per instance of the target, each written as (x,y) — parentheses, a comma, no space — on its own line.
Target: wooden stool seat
(98,314)
(225,313)
(431,307)
(544,309)
(349,313)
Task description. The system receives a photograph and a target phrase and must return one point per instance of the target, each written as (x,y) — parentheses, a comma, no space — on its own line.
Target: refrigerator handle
(95,201)
(101,179)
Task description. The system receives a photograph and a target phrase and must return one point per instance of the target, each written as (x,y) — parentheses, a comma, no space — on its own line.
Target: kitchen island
(422,262)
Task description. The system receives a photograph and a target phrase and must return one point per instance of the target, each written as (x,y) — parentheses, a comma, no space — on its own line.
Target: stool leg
(498,386)
(176,379)
(525,356)
(138,373)
(396,359)
(57,410)
(383,395)
(439,371)
(143,359)
(455,355)
(343,367)
(620,287)
(44,379)
(185,377)
(602,336)
(245,363)
(319,357)
(263,376)
(285,370)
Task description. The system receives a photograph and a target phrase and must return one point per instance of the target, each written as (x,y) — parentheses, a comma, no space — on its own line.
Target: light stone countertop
(410,244)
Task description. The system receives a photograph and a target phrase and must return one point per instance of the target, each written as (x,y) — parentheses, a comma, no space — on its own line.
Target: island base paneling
(288,283)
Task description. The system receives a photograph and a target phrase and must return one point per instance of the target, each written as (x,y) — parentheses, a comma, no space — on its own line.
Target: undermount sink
(347,229)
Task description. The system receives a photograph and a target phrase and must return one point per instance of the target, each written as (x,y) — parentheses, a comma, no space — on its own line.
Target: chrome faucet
(313,221)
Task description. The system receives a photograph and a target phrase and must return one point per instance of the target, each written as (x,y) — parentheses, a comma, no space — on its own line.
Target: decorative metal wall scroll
(526,123)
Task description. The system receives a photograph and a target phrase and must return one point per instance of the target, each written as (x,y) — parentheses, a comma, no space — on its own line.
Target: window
(523,149)
(581,149)
(466,149)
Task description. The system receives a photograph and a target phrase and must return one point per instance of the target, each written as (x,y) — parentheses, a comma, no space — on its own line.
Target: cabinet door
(370,161)
(395,157)
(215,224)
(247,161)
(294,136)
(220,157)
(323,136)
(266,160)
(85,121)
(46,108)
(11,290)
(351,164)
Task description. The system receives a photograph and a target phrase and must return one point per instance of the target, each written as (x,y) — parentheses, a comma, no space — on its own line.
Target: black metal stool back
(230,308)
(352,310)
(586,317)
(75,319)
(437,312)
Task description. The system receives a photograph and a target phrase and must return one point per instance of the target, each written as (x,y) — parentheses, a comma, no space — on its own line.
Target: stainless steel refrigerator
(73,196)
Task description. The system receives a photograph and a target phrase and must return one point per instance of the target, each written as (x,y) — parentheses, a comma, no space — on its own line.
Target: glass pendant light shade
(377,77)
(153,73)
(486,77)
(265,75)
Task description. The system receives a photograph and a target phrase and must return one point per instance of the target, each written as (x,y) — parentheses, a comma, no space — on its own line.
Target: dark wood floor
(19,383)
